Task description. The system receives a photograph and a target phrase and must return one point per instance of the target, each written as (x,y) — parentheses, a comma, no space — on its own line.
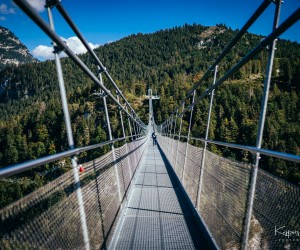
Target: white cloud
(76,45)
(46,52)
(5,10)
(39,5)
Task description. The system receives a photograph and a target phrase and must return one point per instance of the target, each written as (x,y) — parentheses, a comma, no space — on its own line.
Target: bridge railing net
(276,219)
(49,217)
(223,198)
(78,210)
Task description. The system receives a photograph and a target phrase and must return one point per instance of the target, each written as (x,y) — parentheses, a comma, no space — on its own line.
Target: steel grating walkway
(157,215)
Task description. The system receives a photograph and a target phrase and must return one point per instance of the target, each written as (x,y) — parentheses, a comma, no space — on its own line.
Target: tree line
(169,62)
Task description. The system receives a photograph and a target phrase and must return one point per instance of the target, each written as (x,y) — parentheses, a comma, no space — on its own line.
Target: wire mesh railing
(224,195)
(77,209)
(49,218)
(236,200)
(80,211)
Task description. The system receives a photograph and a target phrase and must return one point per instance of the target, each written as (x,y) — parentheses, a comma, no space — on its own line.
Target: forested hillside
(170,62)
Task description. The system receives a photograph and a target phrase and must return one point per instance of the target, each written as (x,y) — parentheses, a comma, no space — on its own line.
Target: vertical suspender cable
(112,145)
(260,130)
(131,136)
(130,128)
(188,137)
(170,137)
(205,143)
(238,36)
(173,140)
(70,138)
(179,134)
(124,135)
(88,47)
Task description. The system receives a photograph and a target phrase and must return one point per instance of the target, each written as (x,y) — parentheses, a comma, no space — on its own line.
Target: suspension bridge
(165,195)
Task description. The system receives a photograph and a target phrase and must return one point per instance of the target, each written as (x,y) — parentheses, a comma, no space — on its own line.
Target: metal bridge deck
(157,215)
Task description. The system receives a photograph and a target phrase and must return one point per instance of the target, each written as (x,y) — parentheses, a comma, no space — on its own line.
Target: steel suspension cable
(243,30)
(25,6)
(263,44)
(68,19)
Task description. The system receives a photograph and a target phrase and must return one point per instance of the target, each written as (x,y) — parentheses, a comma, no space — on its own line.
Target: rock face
(12,50)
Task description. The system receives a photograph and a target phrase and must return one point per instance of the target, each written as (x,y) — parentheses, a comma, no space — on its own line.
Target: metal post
(137,129)
(75,170)
(169,139)
(179,134)
(134,130)
(261,124)
(124,135)
(136,137)
(140,130)
(151,122)
(165,132)
(166,128)
(121,117)
(175,125)
(173,140)
(205,143)
(188,138)
(129,124)
(110,138)
(167,136)
(171,125)
(131,136)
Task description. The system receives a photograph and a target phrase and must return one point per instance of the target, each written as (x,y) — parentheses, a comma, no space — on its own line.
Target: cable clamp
(266,47)
(100,94)
(100,70)
(57,48)
(51,3)
(276,1)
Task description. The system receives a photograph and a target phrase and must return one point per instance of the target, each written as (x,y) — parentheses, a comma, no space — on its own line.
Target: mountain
(170,62)
(12,50)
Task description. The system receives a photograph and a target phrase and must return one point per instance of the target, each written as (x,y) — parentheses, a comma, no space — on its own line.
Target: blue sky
(107,21)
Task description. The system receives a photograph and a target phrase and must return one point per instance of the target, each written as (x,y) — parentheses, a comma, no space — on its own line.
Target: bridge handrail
(284,156)
(21,167)
(168,128)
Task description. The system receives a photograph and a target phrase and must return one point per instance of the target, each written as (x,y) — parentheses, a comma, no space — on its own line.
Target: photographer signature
(286,232)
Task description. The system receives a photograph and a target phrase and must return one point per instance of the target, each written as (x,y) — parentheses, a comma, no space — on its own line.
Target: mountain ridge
(12,50)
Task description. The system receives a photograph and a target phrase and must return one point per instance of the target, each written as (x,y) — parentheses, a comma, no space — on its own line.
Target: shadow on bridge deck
(158,215)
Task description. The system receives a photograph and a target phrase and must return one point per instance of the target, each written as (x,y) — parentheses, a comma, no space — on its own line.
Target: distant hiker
(154,138)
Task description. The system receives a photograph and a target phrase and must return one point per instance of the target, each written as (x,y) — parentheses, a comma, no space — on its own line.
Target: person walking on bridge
(154,137)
